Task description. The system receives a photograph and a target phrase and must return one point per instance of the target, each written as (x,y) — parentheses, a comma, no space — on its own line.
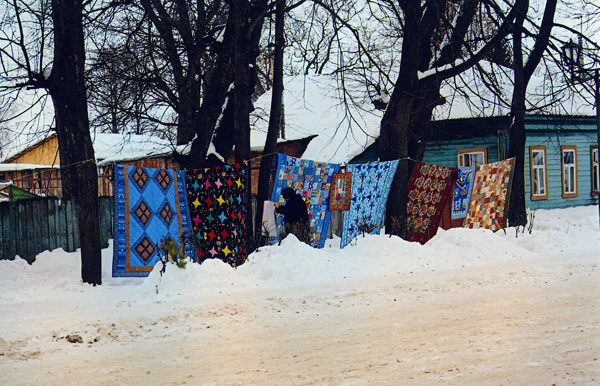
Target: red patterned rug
(428,192)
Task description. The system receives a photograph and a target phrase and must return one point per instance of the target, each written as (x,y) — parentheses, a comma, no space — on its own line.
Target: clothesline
(251,159)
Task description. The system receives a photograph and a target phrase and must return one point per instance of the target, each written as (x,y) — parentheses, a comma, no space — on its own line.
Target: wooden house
(36,168)
(39,179)
(561,154)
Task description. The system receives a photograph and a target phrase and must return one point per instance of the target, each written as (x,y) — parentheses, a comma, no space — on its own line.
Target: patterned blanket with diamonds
(150,205)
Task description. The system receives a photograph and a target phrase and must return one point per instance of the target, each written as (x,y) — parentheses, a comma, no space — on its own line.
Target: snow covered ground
(470,307)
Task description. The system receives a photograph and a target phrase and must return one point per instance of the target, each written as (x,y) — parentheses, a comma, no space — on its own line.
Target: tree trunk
(517,209)
(78,166)
(397,134)
(241,113)
(275,117)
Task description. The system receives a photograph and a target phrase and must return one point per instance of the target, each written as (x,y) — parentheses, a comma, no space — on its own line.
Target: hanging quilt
(370,189)
(489,199)
(462,192)
(341,188)
(428,192)
(217,199)
(312,180)
(150,205)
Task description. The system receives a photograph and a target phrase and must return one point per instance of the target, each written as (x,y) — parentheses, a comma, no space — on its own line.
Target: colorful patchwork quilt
(370,189)
(150,204)
(489,199)
(462,192)
(217,200)
(312,180)
(428,192)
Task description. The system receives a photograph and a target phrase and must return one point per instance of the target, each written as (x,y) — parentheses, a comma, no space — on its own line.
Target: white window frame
(595,163)
(540,172)
(466,156)
(569,172)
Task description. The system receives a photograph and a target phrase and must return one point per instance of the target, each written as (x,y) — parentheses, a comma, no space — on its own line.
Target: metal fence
(28,227)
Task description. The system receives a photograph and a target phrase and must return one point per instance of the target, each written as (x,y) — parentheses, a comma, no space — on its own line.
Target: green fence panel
(28,227)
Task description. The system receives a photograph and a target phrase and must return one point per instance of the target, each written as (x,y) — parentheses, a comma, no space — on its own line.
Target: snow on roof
(109,147)
(312,106)
(17,167)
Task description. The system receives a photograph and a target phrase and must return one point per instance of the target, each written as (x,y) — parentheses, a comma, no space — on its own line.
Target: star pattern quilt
(489,199)
(312,180)
(217,200)
(461,194)
(150,204)
(428,192)
(370,189)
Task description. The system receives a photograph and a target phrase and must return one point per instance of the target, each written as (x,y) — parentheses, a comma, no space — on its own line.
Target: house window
(539,174)
(2,176)
(472,157)
(569,170)
(595,170)
(27,179)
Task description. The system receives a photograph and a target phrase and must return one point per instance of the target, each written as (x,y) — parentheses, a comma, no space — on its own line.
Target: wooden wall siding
(29,227)
(44,182)
(156,163)
(446,153)
(553,142)
(47,182)
(44,153)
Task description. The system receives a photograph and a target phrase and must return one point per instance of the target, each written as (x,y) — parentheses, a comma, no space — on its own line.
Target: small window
(595,170)
(539,174)
(472,157)
(569,170)
(27,178)
(2,176)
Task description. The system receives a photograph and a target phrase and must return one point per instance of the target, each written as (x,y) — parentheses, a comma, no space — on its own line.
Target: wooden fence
(31,226)
(28,227)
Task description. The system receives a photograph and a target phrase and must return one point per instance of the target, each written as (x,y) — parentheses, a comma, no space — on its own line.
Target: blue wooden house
(561,154)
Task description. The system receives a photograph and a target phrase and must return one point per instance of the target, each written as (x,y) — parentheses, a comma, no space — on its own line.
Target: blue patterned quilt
(370,188)
(312,180)
(150,204)
(461,195)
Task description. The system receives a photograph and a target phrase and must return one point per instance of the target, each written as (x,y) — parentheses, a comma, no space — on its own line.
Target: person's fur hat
(288,192)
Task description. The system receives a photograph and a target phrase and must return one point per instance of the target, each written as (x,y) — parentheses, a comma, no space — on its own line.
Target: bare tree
(29,30)
(119,93)
(420,46)
(523,71)
(275,116)
(195,67)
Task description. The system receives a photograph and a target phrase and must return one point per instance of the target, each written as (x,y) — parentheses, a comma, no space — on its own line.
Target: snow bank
(294,265)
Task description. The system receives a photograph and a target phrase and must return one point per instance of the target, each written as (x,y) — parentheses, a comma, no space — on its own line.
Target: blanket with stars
(150,205)
(217,199)
(312,180)
(370,189)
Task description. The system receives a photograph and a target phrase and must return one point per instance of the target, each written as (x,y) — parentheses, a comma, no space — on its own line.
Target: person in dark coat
(295,215)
